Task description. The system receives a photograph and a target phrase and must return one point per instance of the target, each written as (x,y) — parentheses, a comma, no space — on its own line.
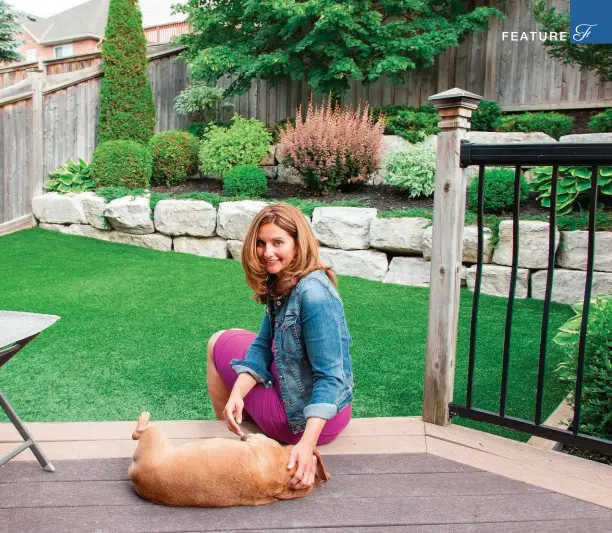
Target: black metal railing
(520,155)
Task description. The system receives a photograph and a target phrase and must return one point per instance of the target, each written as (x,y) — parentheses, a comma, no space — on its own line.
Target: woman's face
(275,248)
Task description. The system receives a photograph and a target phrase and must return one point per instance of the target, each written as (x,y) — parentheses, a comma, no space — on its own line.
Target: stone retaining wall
(353,241)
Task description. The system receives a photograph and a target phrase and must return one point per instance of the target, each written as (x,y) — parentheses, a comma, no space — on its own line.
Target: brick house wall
(84,46)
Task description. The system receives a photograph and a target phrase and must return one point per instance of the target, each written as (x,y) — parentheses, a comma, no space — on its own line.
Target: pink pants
(265,405)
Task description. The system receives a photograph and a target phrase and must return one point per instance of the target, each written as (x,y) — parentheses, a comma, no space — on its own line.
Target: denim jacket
(311,351)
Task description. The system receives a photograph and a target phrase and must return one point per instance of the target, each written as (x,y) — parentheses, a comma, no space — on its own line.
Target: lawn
(135,323)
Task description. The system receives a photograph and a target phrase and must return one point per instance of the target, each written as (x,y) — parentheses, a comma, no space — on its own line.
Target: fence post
(37,178)
(454,108)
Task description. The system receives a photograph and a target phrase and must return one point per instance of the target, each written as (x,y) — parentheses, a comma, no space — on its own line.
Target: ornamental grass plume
(333,147)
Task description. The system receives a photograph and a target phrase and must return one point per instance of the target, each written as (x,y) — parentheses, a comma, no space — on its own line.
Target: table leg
(27,437)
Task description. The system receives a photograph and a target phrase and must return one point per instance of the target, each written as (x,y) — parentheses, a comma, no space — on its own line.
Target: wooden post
(36,177)
(454,108)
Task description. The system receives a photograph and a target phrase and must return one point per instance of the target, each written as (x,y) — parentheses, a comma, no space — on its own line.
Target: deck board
(396,492)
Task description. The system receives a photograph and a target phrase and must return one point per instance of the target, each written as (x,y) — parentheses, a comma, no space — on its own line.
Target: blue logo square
(591,21)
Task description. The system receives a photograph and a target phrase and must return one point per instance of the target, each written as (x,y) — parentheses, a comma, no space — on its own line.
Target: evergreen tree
(326,42)
(594,57)
(127,110)
(8,28)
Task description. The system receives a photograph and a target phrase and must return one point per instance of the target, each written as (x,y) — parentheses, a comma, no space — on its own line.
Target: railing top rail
(541,154)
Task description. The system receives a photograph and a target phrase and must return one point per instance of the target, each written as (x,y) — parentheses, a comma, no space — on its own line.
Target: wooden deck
(388,474)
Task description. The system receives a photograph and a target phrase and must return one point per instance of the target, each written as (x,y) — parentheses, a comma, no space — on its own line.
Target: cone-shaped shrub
(127,110)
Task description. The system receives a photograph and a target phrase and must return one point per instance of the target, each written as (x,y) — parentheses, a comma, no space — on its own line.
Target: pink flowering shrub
(333,147)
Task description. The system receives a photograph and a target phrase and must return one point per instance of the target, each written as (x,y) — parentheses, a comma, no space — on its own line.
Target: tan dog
(213,472)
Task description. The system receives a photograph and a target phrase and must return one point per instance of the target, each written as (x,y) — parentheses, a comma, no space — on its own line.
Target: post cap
(455,97)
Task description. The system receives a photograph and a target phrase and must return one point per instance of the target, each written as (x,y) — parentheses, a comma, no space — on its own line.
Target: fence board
(9,141)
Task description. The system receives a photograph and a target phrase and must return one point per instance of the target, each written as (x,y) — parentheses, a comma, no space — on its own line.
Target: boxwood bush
(246,142)
(122,163)
(412,123)
(486,116)
(245,180)
(175,156)
(554,124)
(498,190)
(602,122)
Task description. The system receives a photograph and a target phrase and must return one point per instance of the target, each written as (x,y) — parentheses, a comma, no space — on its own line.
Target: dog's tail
(143,420)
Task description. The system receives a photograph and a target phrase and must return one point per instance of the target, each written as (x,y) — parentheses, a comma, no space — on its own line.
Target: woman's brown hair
(307,256)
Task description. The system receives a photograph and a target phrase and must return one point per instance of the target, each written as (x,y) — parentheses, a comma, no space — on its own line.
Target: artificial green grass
(135,324)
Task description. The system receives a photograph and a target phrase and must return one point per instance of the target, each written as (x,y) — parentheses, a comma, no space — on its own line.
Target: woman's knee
(212,341)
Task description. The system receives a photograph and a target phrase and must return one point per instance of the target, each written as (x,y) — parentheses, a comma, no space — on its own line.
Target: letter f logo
(582,31)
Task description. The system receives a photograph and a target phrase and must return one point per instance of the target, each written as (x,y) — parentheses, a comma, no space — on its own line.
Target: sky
(153,11)
(44,9)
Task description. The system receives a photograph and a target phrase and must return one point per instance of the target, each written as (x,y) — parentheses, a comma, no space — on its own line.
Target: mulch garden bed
(585,454)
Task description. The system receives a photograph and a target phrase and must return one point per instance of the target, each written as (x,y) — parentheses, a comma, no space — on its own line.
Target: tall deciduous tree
(328,43)
(9,27)
(594,57)
(127,110)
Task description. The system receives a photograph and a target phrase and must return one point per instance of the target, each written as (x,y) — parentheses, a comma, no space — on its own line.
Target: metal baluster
(515,254)
(478,282)
(548,295)
(587,301)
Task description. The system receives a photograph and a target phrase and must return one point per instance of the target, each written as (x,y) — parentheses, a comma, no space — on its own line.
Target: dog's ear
(321,474)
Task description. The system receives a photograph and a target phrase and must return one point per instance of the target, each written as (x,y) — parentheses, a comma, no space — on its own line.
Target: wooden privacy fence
(52,118)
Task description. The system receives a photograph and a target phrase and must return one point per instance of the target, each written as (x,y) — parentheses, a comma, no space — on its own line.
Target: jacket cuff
(321,410)
(261,376)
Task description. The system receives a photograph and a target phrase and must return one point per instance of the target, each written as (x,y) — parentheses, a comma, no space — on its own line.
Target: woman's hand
(302,455)
(233,413)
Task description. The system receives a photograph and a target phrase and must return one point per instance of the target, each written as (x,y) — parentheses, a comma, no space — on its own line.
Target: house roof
(158,12)
(89,20)
(85,20)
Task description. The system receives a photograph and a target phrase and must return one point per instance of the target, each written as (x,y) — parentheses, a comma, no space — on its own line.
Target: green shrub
(596,416)
(201,102)
(175,157)
(554,124)
(601,122)
(200,129)
(390,110)
(574,184)
(71,177)
(127,110)
(414,126)
(498,190)
(246,142)
(485,116)
(413,171)
(245,179)
(122,163)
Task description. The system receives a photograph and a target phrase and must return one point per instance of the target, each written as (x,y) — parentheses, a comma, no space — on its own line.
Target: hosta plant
(71,177)
(573,184)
